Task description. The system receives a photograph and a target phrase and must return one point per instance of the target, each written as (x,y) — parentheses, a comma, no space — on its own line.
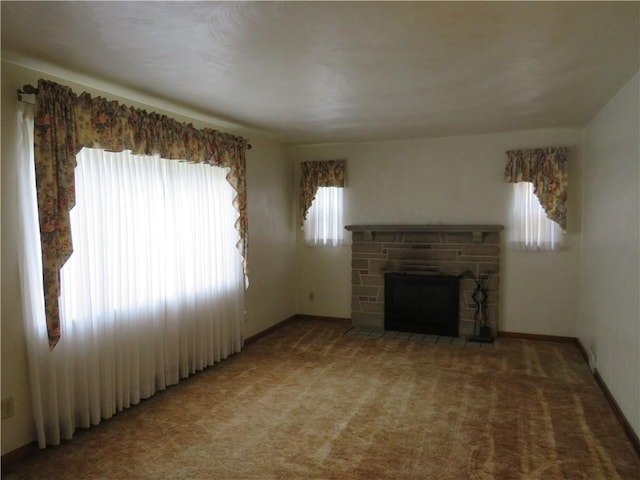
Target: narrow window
(322,185)
(531,228)
(324,225)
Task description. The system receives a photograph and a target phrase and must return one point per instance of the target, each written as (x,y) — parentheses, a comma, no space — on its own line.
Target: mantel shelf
(425,228)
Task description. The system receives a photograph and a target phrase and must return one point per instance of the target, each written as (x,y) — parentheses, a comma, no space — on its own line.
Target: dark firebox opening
(421,303)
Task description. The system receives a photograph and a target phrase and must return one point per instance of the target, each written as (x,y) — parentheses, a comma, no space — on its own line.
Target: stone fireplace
(470,252)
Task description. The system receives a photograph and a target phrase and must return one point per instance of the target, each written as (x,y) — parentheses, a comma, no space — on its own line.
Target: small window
(531,229)
(324,225)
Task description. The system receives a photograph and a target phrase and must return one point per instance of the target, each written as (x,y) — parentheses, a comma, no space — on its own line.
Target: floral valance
(65,123)
(321,173)
(546,168)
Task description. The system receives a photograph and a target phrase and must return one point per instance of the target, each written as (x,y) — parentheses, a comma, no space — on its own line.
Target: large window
(324,224)
(148,232)
(141,278)
(531,229)
(153,292)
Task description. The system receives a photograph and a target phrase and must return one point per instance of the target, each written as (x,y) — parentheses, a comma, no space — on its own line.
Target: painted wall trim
(267,331)
(617,411)
(297,316)
(19,454)
(537,337)
(345,320)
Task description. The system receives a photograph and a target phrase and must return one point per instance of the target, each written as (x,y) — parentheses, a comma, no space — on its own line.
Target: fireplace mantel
(425,228)
(477,231)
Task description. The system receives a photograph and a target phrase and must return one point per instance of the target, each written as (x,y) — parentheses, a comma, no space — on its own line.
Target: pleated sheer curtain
(321,201)
(324,224)
(153,292)
(531,229)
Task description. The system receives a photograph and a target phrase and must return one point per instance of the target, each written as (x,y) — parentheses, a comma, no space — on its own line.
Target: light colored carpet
(309,402)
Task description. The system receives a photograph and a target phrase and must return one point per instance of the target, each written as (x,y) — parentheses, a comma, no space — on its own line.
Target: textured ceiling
(315,72)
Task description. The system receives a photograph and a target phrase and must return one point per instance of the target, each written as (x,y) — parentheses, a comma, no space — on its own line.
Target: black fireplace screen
(421,303)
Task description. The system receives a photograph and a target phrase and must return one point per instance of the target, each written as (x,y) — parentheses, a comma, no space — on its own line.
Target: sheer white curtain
(153,292)
(531,229)
(30,268)
(324,224)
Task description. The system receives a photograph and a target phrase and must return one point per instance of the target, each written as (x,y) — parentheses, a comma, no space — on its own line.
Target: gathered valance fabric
(319,173)
(546,169)
(65,123)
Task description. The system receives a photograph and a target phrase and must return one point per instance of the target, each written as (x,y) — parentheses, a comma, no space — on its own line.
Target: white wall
(271,233)
(455,180)
(269,298)
(609,313)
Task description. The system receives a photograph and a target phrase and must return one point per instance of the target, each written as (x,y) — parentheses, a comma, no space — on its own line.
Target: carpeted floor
(309,402)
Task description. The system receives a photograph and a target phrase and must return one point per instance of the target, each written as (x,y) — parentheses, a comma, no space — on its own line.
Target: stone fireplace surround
(470,251)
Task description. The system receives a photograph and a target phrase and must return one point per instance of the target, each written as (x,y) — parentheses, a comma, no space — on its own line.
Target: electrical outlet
(7,407)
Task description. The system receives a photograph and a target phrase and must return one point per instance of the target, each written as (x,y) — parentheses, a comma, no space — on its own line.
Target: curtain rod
(27,90)
(31,90)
